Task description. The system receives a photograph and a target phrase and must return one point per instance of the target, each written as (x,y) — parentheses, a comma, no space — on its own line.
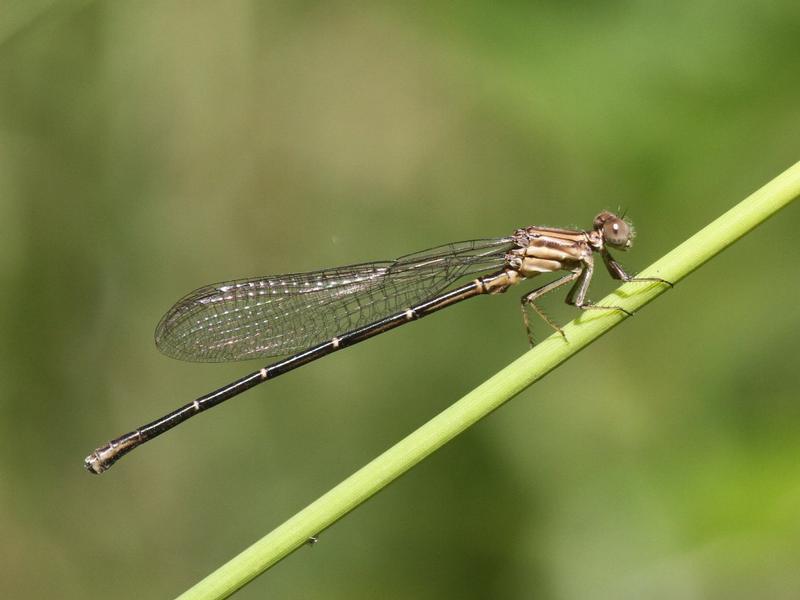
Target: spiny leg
(529,299)
(589,306)
(618,272)
(577,295)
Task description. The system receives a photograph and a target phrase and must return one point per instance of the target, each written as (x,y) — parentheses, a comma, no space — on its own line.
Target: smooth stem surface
(497,390)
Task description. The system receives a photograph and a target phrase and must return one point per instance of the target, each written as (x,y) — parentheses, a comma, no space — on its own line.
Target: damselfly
(310,315)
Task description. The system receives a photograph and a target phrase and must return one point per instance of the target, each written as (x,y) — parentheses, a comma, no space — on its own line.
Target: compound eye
(617,233)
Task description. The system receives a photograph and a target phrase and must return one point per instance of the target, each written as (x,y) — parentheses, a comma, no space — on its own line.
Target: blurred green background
(147,148)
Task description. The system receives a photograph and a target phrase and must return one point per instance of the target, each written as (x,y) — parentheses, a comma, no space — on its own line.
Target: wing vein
(282,314)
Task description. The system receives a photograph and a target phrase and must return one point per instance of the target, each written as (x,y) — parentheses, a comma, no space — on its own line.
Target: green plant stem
(497,390)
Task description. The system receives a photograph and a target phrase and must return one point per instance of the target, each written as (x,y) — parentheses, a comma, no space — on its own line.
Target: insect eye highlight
(617,233)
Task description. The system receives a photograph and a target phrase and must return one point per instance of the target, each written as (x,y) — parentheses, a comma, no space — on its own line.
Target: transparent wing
(283,314)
